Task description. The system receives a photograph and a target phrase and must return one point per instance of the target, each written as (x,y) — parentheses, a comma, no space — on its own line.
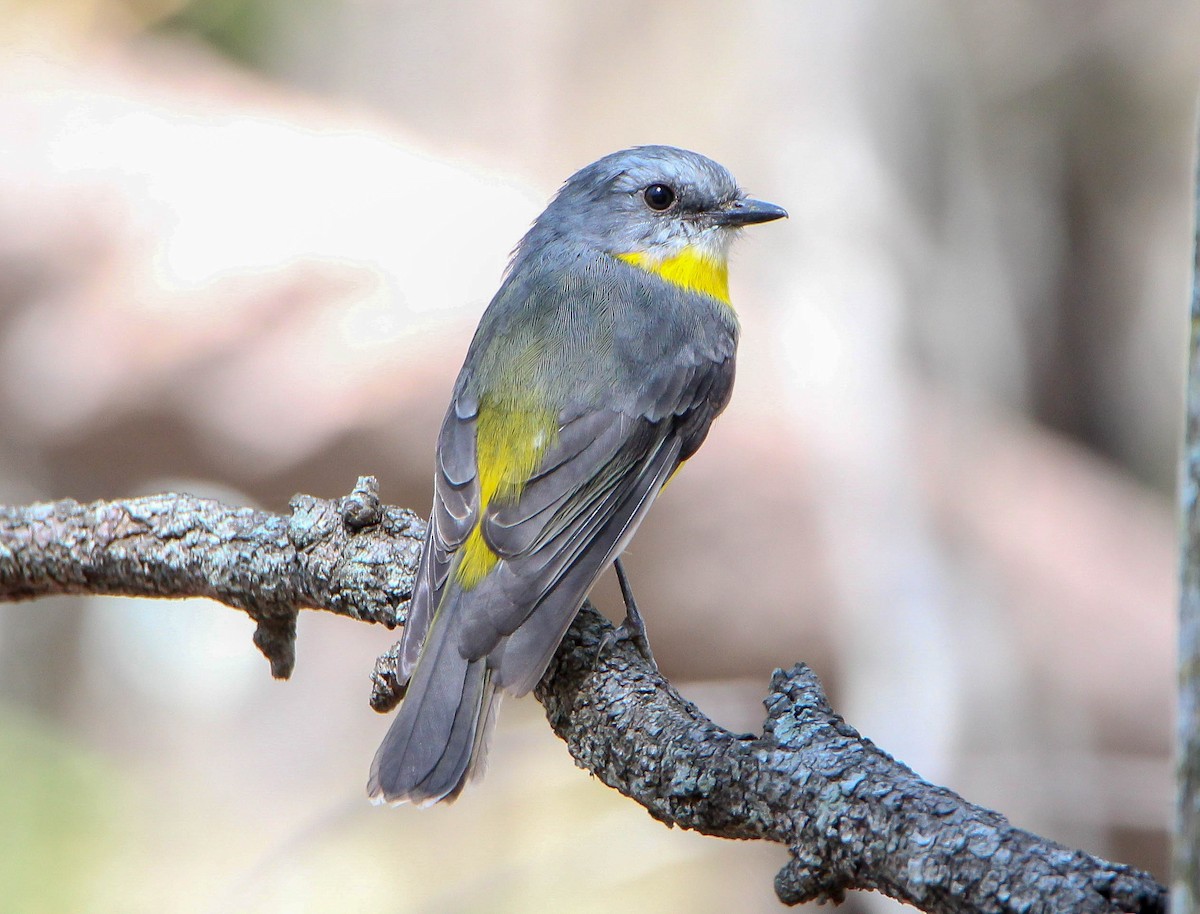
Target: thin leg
(633,628)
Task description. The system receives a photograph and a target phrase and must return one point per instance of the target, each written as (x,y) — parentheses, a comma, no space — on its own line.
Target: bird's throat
(690,269)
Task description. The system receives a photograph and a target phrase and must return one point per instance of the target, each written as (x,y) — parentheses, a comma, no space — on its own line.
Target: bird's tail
(439,736)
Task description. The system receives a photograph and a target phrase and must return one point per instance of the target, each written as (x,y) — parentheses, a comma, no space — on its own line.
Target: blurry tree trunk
(1186,888)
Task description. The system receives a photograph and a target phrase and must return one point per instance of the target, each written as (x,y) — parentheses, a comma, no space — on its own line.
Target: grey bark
(850,815)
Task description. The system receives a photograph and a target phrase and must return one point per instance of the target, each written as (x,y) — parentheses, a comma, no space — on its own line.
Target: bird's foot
(633,628)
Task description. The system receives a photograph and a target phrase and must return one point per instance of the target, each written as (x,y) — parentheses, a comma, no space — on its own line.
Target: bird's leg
(633,628)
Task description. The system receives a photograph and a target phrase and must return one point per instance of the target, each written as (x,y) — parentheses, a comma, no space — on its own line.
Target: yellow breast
(690,269)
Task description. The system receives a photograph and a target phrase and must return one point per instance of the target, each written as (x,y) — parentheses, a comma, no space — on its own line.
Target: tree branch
(851,816)
(349,556)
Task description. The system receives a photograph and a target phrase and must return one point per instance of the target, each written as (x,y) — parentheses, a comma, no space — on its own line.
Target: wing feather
(455,505)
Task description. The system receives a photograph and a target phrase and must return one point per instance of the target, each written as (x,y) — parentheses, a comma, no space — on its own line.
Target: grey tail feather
(483,735)
(438,736)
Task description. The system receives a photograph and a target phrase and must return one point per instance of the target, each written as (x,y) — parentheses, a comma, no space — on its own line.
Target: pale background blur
(243,245)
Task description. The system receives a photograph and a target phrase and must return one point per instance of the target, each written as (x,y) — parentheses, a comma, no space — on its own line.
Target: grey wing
(455,506)
(576,514)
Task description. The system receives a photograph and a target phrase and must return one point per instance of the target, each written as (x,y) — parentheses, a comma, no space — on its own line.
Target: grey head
(654,200)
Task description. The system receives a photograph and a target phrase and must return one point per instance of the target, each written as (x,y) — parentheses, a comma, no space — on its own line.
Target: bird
(594,374)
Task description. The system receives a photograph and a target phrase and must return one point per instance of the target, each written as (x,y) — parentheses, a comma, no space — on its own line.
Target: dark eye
(659,196)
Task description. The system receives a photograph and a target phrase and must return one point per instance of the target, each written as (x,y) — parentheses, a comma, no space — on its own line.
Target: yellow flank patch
(689,269)
(671,478)
(475,560)
(511,437)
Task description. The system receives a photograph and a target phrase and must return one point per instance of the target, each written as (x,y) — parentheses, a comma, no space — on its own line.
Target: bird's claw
(633,629)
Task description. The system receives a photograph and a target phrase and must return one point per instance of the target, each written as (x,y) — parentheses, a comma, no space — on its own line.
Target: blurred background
(243,246)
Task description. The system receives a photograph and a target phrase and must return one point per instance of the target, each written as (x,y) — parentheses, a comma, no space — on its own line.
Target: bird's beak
(749,212)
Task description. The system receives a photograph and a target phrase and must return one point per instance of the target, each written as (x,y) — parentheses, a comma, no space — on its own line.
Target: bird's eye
(659,196)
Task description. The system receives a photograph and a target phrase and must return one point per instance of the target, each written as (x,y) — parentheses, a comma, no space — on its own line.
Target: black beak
(749,212)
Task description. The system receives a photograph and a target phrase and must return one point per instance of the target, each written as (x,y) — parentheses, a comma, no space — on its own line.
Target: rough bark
(350,556)
(851,816)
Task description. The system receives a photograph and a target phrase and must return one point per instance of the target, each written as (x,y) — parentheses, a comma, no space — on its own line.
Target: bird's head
(666,210)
